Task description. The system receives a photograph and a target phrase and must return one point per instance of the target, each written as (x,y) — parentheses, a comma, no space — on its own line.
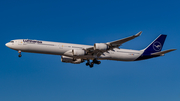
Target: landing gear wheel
(87,64)
(96,61)
(19,55)
(91,65)
(99,62)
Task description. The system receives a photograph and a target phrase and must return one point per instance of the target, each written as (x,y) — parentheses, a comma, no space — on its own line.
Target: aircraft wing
(113,44)
(117,43)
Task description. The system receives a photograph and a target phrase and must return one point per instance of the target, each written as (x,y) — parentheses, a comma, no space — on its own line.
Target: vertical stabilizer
(156,45)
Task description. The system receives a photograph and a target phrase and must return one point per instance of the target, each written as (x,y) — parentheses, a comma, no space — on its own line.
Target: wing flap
(163,52)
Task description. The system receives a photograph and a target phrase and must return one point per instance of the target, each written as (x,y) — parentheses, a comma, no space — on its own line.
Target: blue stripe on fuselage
(146,56)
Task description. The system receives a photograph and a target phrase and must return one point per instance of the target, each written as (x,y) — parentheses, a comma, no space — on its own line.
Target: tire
(87,64)
(91,65)
(20,55)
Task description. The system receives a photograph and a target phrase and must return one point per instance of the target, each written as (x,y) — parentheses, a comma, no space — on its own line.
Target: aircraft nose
(7,44)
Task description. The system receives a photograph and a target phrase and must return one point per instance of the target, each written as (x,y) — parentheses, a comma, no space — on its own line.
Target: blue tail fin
(156,45)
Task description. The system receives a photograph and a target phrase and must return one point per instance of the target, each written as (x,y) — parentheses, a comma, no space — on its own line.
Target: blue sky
(37,77)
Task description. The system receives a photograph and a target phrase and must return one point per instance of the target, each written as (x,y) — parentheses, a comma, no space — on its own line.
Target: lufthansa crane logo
(157,46)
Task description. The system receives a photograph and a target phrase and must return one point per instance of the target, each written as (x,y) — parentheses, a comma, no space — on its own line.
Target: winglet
(138,34)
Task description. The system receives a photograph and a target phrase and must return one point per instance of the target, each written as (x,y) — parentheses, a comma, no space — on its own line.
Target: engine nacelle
(100,46)
(66,59)
(78,52)
(71,60)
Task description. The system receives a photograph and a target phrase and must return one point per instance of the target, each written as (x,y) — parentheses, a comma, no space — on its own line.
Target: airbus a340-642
(76,53)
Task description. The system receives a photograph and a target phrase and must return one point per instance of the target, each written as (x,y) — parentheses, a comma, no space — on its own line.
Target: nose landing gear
(19,53)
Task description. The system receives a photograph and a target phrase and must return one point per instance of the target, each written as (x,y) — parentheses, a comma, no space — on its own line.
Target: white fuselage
(65,49)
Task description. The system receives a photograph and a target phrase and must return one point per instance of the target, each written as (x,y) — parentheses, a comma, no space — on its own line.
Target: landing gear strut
(90,64)
(19,53)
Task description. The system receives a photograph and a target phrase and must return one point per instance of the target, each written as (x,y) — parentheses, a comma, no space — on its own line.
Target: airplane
(76,53)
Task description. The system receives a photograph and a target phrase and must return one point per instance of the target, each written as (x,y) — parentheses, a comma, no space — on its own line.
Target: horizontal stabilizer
(163,52)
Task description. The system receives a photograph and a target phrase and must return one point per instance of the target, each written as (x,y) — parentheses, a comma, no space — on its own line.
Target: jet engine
(100,46)
(71,60)
(78,52)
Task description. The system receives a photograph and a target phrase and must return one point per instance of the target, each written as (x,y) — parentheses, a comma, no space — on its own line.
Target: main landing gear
(91,64)
(19,53)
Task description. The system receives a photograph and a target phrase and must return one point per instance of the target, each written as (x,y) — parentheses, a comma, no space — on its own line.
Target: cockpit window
(11,41)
